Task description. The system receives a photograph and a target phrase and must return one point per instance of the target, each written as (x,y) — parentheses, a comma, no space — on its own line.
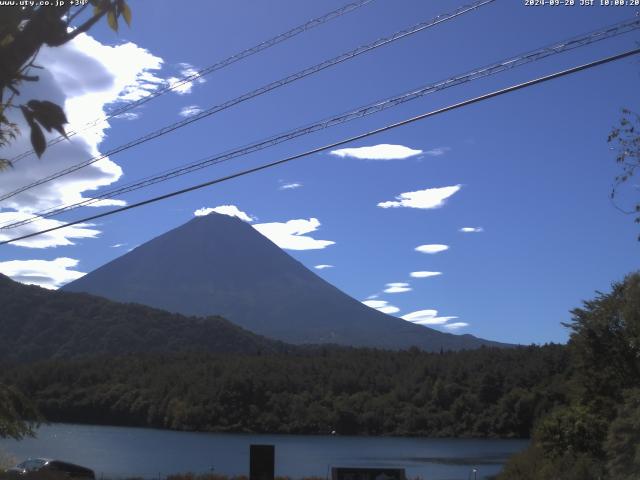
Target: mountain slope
(36,324)
(220,265)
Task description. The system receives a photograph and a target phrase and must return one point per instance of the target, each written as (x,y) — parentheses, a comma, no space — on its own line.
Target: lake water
(122,452)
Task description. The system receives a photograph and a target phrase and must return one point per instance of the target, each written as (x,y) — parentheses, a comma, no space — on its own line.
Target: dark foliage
(485,393)
(36,324)
(597,434)
(24,30)
(626,137)
(18,415)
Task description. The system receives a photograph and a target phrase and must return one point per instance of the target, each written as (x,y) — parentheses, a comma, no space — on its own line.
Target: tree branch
(85,26)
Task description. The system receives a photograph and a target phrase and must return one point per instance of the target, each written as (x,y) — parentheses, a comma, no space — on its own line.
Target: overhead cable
(207,70)
(254,93)
(492,69)
(432,113)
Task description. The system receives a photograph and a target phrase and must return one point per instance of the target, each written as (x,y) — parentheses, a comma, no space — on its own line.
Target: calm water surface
(122,452)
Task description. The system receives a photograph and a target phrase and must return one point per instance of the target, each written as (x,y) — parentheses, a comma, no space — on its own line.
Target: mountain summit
(220,265)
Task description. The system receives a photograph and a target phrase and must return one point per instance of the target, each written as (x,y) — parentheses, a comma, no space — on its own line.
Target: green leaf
(112,20)
(126,12)
(7,40)
(5,164)
(28,114)
(37,139)
(49,115)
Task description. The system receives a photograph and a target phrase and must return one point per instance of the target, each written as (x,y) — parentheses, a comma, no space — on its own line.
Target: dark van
(34,468)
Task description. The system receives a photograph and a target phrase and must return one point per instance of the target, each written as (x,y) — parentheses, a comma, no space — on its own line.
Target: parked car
(34,468)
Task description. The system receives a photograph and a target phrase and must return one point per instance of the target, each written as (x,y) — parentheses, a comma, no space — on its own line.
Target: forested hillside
(485,392)
(41,324)
(596,435)
(580,403)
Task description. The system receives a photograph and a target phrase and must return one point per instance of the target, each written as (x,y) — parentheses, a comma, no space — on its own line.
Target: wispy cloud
(323,266)
(57,238)
(185,87)
(424,199)
(455,325)
(189,110)
(431,248)
(424,274)
(49,274)
(426,317)
(118,245)
(437,152)
(397,287)
(128,116)
(382,306)
(290,186)
(230,210)
(383,151)
(291,235)
(471,229)
(85,77)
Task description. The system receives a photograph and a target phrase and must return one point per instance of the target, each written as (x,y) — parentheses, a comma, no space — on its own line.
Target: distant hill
(36,324)
(219,265)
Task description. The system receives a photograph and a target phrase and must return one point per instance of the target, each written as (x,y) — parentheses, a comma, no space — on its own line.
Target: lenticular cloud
(424,199)
(383,151)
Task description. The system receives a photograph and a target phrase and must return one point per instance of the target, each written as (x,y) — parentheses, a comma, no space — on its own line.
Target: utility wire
(497,67)
(260,91)
(432,113)
(207,70)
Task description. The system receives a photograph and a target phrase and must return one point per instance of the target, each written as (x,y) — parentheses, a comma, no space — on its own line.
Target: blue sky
(531,169)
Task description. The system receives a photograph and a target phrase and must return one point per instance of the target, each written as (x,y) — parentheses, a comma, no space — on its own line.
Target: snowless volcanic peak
(220,265)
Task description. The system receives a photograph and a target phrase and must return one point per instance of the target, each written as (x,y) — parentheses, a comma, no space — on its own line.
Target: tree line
(480,393)
(579,403)
(596,433)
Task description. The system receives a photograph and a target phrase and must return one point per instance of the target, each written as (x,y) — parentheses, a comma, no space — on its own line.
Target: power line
(210,69)
(432,113)
(497,67)
(254,93)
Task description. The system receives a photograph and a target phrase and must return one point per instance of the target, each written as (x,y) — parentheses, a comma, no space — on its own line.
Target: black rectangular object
(262,462)
(367,473)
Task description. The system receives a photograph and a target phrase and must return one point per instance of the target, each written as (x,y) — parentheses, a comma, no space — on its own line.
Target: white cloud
(109,202)
(183,88)
(455,325)
(128,116)
(291,235)
(426,317)
(472,229)
(46,273)
(190,110)
(424,199)
(290,186)
(118,245)
(432,248)
(230,210)
(382,306)
(437,152)
(57,238)
(322,267)
(384,151)
(424,274)
(84,76)
(397,287)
